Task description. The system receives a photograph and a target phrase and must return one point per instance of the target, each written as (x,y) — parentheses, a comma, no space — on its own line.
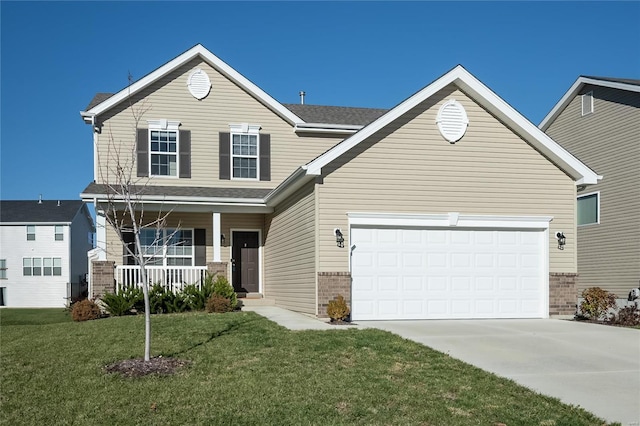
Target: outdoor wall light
(222,239)
(562,240)
(339,237)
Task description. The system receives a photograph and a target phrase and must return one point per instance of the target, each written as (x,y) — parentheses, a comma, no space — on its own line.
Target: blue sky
(56,55)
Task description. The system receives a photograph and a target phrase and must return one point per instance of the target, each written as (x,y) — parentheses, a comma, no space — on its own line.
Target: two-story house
(449,205)
(43,251)
(598,120)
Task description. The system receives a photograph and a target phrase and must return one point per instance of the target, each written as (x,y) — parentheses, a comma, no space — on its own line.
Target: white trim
(591,110)
(164,125)
(216,238)
(260,254)
(211,59)
(575,89)
(486,98)
(444,220)
(250,130)
(325,128)
(597,194)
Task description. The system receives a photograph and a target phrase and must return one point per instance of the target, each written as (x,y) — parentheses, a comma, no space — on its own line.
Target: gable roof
(103,103)
(631,85)
(471,86)
(33,211)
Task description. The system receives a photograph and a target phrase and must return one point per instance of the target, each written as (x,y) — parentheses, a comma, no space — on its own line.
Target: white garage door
(418,273)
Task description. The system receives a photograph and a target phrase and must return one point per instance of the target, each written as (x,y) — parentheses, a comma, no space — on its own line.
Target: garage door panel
(434,273)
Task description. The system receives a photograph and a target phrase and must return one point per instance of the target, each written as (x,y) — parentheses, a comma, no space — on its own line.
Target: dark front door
(245,263)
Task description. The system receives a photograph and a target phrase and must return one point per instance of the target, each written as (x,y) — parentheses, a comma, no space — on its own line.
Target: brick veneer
(563,294)
(217,268)
(331,284)
(102,278)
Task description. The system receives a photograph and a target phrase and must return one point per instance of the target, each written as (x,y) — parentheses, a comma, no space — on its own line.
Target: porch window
(167,247)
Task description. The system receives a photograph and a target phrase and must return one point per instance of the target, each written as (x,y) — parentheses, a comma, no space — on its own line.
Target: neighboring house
(43,251)
(445,206)
(598,120)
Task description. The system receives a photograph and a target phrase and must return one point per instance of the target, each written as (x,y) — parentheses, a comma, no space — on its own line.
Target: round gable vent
(199,84)
(452,121)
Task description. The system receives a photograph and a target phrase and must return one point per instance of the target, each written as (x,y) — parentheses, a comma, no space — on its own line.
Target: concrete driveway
(594,366)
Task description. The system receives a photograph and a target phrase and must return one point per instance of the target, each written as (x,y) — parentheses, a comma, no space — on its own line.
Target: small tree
(124,207)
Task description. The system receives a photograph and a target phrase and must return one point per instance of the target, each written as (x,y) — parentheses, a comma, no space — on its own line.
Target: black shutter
(265,157)
(185,154)
(225,156)
(128,240)
(142,152)
(200,246)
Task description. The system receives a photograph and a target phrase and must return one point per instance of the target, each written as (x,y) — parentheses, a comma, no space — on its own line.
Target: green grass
(248,370)
(20,316)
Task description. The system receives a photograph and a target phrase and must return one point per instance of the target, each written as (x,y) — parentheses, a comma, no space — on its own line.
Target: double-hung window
(589,209)
(164,152)
(37,266)
(245,148)
(167,247)
(32,266)
(3,269)
(31,232)
(59,232)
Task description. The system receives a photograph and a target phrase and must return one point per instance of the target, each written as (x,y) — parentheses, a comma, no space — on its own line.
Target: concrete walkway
(594,366)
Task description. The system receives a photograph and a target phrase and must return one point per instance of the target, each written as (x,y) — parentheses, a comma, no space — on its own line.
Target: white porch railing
(173,278)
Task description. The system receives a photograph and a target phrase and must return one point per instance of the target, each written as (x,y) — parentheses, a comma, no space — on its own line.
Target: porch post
(101,235)
(216,237)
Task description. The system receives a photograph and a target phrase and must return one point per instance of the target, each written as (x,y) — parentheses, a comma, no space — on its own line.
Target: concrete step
(256,301)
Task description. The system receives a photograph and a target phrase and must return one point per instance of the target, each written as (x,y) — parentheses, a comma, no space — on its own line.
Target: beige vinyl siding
(226,104)
(409,167)
(290,248)
(608,141)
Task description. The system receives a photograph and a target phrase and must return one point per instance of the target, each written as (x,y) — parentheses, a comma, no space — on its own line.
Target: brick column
(330,285)
(217,268)
(563,294)
(102,278)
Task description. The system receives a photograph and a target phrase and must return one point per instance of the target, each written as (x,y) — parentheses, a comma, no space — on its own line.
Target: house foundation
(563,294)
(330,285)
(102,278)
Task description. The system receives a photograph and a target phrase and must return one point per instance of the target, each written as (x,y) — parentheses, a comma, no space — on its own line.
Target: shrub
(338,309)
(627,316)
(596,302)
(85,310)
(117,304)
(160,299)
(221,287)
(219,304)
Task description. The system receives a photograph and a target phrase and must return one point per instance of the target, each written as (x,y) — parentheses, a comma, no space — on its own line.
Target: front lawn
(247,370)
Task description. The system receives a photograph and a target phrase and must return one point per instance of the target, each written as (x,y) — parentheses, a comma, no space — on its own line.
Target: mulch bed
(138,367)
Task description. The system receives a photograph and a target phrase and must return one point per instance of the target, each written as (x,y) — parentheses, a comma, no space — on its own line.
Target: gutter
(326,128)
(291,184)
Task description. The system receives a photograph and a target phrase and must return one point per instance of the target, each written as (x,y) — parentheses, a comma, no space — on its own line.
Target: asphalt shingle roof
(334,114)
(98,99)
(32,211)
(187,191)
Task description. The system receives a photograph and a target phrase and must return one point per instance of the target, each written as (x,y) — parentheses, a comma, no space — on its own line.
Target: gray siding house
(598,121)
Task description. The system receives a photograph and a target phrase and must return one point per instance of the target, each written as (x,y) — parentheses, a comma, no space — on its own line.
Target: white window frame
(162,250)
(597,195)
(31,236)
(31,263)
(58,233)
(164,125)
(590,98)
(250,130)
(3,269)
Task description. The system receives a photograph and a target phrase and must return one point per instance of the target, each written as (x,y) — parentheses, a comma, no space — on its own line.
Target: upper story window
(163,150)
(245,153)
(59,233)
(587,103)
(3,269)
(31,232)
(589,209)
